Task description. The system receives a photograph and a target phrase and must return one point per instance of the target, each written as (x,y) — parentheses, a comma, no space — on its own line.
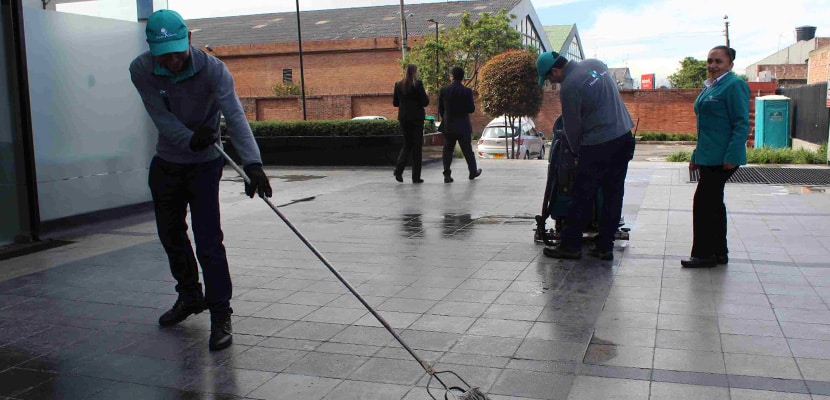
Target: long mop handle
(428,368)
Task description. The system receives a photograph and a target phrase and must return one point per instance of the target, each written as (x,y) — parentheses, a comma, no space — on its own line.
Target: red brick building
(345,51)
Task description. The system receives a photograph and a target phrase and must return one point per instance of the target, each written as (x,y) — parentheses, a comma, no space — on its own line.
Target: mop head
(473,394)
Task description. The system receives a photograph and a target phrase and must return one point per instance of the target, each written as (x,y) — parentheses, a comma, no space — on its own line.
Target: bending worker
(598,130)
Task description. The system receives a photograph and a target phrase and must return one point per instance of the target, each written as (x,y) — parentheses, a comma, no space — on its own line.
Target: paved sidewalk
(454,269)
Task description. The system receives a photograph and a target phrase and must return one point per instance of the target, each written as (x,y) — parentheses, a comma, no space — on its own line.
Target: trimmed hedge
(340,127)
(765,155)
(660,136)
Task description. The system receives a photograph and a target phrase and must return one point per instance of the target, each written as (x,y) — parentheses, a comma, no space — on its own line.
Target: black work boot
(181,310)
(221,333)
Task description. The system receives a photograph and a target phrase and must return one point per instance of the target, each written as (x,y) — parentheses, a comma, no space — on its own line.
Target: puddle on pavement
(601,352)
(452,224)
(298,178)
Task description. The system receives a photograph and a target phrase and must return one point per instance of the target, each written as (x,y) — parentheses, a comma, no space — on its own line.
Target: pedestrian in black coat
(410,98)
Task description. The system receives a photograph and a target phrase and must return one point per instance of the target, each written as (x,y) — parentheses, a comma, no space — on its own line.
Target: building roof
(339,24)
(558,34)
(620,74)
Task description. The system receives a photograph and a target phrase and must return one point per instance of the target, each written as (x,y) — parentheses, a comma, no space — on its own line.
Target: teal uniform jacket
(722,122)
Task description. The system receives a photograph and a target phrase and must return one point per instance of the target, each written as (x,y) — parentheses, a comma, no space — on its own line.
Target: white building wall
(93,138)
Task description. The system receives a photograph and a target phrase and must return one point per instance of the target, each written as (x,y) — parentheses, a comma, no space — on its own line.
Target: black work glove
(259,182)
(203,137)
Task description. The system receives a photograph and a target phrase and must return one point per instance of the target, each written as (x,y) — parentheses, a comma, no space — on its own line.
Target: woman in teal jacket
(722,110)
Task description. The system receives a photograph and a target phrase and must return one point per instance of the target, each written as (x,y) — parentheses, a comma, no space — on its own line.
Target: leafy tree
(691,74)
(469,45)
(509,86)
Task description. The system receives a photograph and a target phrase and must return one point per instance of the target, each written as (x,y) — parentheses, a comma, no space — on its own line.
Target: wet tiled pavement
(454,269)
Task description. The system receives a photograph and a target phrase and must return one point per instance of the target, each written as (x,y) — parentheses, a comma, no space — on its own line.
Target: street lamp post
(300,43)
(436,52)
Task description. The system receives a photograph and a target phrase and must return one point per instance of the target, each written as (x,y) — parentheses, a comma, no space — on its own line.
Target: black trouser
(174,187)
(464,141)
(413,143)
(601,166)
(709,212)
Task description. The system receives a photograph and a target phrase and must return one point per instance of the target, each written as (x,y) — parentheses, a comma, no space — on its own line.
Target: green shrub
(661,136)
(679,156)
(766,155)
(338,127)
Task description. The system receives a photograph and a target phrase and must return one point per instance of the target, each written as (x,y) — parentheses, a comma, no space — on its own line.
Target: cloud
(673,29)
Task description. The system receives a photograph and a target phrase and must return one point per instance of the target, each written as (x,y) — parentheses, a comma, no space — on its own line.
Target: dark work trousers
(601,166)
(709,212)
(413,143)
(464,141)
(174,187)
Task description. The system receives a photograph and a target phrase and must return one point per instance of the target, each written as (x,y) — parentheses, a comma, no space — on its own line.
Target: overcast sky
(648,36)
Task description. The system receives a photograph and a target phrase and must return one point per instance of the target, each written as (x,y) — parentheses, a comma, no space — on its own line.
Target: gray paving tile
(768,384)
(691,378)
(759,345)
(677,391)
(385,370)
(326,365)
(588,387)
(814,369)
(749,394)
(687,360)
(487,345)
(803,348)
(293,386)
(621,356)
(356,390)
(763,366)
(532,384)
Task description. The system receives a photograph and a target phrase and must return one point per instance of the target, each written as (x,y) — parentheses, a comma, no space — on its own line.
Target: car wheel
(542,152)
(527,155)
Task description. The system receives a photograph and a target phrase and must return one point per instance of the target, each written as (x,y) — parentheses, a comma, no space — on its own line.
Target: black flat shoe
(560,253)
(723,259)
(221,334)
(417,181)
(180,311)
(448,179)
(698,262)
(399,177)
(476,174)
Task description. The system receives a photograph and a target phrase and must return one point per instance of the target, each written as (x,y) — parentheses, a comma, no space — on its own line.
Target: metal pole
(726,25)
(300,43)
(437,67)
(23,142)
(403,33)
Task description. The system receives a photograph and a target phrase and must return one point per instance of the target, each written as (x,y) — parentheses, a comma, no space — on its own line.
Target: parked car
(527,142)
(378,117)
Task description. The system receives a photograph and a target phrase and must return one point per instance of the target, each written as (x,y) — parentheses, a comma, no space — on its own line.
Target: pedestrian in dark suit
(455,104)
(410,98)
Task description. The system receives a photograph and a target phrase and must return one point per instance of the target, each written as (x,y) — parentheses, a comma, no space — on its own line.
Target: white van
(496,140)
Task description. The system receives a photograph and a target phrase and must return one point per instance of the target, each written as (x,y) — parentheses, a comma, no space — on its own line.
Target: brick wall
(330,67)
(819,65)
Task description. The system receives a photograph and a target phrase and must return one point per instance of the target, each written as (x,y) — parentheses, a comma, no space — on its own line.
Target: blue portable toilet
(772,122)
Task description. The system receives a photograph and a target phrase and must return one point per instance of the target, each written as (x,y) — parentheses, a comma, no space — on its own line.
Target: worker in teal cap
(598,131)
(185,91)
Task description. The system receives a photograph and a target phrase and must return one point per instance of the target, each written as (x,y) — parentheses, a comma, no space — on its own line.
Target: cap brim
(173,46)
(542,80)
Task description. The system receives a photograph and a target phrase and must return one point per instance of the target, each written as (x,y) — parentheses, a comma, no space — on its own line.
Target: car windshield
(498,132)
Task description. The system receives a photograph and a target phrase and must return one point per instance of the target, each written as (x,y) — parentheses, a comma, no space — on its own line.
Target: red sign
(828,93)
(647,82)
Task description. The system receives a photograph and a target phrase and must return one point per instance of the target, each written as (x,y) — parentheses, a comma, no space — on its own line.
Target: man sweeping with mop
(184,89)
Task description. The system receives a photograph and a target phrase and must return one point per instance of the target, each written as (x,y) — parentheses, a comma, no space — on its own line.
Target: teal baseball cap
(166,33)
(544,63)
